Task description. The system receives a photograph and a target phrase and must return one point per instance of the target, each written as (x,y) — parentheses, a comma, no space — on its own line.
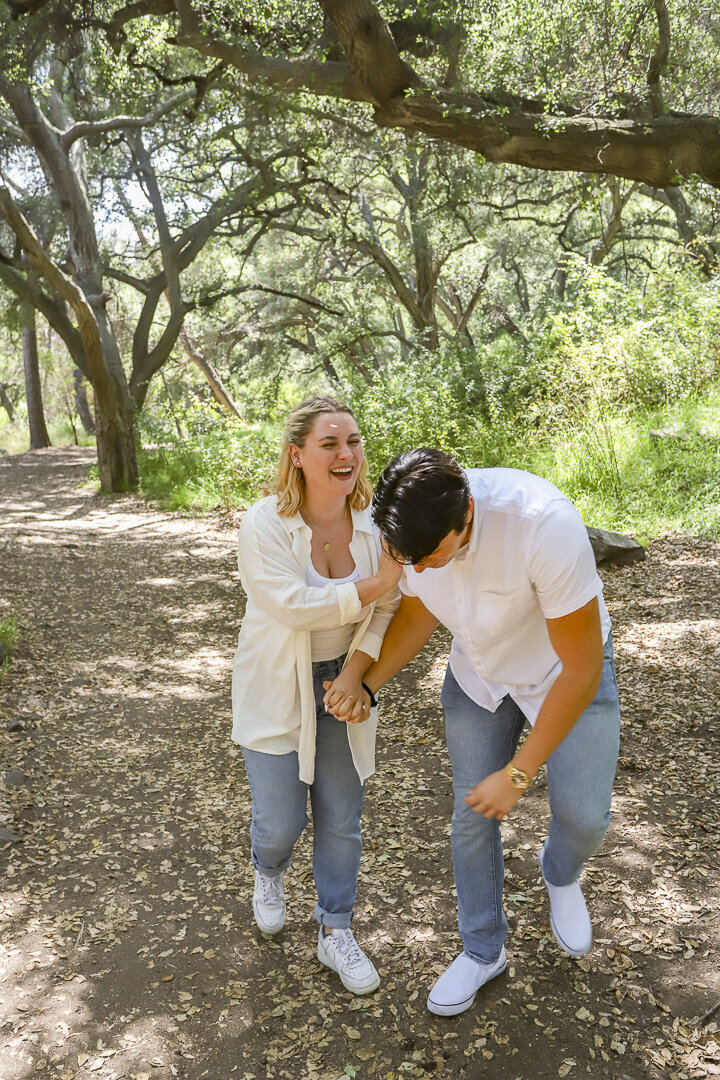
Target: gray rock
(9,836)
(14,778)
(611,548)
(14,725)
(663,434)
(677,434)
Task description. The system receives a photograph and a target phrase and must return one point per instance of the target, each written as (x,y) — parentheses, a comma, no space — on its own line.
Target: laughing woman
(320,595)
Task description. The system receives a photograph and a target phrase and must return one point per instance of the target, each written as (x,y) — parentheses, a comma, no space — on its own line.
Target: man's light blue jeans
(279,811)
(580,778)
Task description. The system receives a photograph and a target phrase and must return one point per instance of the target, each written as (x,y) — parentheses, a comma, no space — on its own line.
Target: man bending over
(503,560)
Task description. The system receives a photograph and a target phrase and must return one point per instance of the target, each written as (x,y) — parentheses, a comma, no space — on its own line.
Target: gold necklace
(314,525)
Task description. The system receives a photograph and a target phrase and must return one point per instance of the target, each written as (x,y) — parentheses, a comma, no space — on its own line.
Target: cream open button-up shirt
(272,688)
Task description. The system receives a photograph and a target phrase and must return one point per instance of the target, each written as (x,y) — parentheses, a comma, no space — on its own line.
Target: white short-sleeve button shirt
(528,559)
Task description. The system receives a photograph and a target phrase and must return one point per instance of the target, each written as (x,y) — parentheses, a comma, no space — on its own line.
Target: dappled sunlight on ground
(129,947)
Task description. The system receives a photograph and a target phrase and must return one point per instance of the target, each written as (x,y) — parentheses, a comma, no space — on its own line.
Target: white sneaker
(569,917)
(455,990)
(340,951)
(269,903)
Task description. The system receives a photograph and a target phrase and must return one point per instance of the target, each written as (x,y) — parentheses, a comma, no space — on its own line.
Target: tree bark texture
(64,168)
(39,437)
(372,54)
(81,402)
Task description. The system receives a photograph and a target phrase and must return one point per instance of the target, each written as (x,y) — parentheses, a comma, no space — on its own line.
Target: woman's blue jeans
(580,777)
(279,811)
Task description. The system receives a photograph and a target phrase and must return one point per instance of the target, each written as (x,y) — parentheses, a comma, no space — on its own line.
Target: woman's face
(332,455)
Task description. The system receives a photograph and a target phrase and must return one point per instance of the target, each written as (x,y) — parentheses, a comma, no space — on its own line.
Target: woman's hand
(383,581)
(346,700)
(493,797)
(389,570)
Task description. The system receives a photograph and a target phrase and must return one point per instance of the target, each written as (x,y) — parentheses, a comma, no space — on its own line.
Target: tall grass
(603,458)
(622,478)
(15,438)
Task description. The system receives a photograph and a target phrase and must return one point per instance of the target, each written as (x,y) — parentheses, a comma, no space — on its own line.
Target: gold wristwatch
(519,779)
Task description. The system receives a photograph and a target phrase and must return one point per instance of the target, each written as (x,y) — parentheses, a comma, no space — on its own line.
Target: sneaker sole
(461,1006)
(566,948)
(360,990)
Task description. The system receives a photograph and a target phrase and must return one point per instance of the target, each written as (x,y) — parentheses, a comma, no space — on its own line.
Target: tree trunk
(64,168)
(39,437)
(117,463)
(6,402)
(215,382)
(81,403)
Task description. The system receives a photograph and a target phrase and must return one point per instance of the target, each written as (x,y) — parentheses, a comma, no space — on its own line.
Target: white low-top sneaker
(340,951)
(569,917)
(269,903)
(455,990)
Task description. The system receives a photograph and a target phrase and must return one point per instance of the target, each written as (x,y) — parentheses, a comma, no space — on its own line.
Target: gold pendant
(326,545)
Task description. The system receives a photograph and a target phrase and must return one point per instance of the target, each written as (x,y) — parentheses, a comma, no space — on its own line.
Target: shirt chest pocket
(499,614)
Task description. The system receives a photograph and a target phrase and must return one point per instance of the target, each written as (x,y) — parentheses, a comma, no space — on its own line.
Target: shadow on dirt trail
(128,943)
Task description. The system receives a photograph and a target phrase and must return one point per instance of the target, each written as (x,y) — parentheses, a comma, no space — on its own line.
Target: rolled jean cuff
(336,920)
(276,871)
(479,960)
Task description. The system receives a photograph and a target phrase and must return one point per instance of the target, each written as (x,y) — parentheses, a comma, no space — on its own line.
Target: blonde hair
(289,483)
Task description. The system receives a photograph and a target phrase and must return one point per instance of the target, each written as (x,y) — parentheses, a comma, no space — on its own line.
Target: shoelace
(271,892)
(348,947)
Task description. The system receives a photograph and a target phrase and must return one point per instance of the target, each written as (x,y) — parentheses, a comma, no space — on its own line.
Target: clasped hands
(347,700)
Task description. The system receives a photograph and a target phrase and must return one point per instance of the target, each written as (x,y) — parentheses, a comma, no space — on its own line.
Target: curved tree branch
(660,152)
(371,51)
(84,128)
(52,310)
(96,370)
(14,131)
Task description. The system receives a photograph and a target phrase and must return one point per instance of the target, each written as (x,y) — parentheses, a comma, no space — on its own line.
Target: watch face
(518,779)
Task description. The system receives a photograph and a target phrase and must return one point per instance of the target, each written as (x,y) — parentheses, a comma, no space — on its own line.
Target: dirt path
(128,947)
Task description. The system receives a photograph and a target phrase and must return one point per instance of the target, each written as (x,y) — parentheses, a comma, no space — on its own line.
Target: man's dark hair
(421,497)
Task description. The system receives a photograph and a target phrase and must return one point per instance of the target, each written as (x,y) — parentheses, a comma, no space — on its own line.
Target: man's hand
(346,700)
(494,797)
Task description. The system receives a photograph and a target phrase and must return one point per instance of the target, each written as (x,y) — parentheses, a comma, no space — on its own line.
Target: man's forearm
(577,641)
(406,636)
(565,703)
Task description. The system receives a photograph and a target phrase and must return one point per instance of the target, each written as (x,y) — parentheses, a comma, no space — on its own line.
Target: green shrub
(627,348)
(219,463)
(572,401)
(9,637)
(450,399)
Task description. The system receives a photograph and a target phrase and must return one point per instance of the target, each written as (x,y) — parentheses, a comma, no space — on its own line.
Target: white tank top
(335,641)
